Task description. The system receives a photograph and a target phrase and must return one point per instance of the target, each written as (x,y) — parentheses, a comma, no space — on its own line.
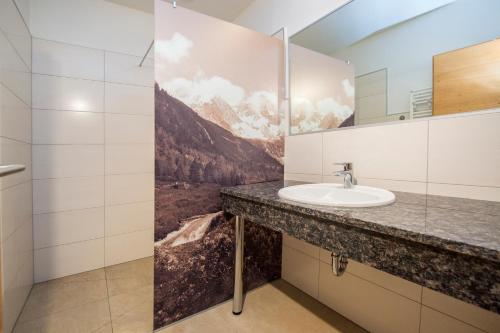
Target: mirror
(374,61)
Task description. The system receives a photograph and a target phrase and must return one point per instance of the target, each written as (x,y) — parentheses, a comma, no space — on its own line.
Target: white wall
(93,128)
(15,147)
(268,16)
(406,50)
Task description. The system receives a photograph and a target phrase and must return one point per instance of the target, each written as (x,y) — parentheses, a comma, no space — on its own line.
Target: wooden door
(467,79)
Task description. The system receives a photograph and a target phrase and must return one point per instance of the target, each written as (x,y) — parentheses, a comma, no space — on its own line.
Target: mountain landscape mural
(215,125)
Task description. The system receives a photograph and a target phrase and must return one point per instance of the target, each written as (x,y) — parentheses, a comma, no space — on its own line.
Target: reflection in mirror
(374,61)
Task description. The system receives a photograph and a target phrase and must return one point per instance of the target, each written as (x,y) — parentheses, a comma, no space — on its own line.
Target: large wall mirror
(374,61)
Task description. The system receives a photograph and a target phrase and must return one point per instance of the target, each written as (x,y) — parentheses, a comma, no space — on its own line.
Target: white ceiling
(360,19)
(227,10)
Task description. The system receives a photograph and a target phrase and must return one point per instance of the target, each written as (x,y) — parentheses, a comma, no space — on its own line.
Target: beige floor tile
(276,307)
(129,276)
(133,311)
(130,287)
(62,294)
(141,267)
(80,303)
(90,317)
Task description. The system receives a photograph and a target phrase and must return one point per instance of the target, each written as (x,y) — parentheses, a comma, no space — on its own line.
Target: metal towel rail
(10,169)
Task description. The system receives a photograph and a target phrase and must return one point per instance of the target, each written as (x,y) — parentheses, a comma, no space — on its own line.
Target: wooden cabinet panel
(467,79)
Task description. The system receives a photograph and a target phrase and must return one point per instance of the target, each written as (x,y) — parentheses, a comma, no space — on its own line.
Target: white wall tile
(395,185)
(396,151)
(13,26)
(385,280)
(19,83)
(53,195)
(300,270)
(60,93)
(303,154)
(97,24)
(372,307)
(465,191)
(16,203)
(465,150)
(60,161)
(68,227)
(16,294)
(62,59)
(63,127)
(15,115)
(121,189)
(122,219)
(15,152)
(63,260)
(122,128)
(129,158)
(433,321)
(299,177)
(128,99)
(471,314)
(304,247)
(15,73)
(122,68)
(129,247)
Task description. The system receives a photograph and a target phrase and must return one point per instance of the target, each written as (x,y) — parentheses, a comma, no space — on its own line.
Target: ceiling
(360,19)
(227,10)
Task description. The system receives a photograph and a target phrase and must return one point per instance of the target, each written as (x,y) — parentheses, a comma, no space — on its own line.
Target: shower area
(120,121)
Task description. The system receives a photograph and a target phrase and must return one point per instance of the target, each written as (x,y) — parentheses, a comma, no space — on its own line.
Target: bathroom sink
(336,195)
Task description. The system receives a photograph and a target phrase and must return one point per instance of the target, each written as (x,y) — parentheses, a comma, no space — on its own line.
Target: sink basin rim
(385,197)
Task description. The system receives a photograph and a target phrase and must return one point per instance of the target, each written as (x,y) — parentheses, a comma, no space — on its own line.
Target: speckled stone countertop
(447,244)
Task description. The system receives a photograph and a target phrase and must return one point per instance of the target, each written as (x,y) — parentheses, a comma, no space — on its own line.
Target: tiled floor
(113,299)
(119,299)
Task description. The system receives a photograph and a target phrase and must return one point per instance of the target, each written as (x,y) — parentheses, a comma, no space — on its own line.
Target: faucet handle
(347,165)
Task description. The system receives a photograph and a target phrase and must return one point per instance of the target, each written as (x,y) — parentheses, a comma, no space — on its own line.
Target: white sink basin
(337,196)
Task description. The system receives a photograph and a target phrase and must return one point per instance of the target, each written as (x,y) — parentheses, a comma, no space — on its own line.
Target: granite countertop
(465,226)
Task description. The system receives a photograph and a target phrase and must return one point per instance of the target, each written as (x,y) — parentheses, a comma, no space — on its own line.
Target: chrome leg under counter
(238,266)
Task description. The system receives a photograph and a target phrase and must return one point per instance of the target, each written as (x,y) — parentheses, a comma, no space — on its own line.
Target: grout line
(70,243)
(13,46)
(453,317)
(94,112)
(104,171)
(97,175)
(104,81)
(107,293)
(91,48)
(22,101)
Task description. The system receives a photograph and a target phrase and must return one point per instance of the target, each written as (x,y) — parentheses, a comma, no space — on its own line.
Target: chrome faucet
(349,179)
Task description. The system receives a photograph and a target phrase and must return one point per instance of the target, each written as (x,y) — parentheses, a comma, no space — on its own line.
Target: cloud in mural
(173,49)
(309,116)
(203,90)
(348,87)
(329,105)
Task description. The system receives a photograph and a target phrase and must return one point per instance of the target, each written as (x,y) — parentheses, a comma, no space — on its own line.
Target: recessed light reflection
(79,105)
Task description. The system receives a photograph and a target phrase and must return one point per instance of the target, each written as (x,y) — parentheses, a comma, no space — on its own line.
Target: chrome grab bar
(10,169)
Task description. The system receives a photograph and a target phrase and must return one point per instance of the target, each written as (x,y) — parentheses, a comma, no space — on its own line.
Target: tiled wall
(93,133)
(15,148)
(92,158)
(377,301)
(453,156)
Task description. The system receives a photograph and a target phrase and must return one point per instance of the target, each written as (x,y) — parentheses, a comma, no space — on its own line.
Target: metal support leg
(238,266)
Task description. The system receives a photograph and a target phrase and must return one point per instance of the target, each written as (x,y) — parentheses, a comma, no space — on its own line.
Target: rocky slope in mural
(194,248)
